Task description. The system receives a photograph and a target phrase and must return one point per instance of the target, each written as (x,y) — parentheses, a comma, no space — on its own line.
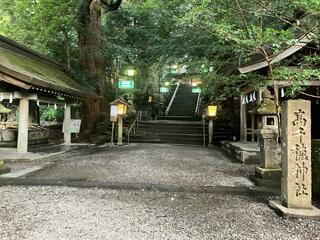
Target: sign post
(164,89)
(113,119)
(126,84)
(196,90)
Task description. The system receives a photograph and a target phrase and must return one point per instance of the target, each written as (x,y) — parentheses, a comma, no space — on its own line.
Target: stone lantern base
(267,177)
(313,213)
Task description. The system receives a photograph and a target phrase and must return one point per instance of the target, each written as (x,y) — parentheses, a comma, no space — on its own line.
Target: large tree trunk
(91,59)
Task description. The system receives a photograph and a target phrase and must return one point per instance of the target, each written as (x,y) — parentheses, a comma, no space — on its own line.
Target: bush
(51,115)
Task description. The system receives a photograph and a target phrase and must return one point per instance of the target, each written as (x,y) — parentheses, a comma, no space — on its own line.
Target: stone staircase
(170,132)
(185,102)
(180,126)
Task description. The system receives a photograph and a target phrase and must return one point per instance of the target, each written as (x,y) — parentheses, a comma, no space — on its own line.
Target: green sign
(164,90)
(196,90)
(126,84)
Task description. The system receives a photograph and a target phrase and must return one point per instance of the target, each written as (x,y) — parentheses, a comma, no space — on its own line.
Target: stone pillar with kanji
(296,161)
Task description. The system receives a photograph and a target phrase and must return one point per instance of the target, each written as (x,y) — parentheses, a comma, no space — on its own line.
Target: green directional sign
(164,89)
(196,90)
(126,84)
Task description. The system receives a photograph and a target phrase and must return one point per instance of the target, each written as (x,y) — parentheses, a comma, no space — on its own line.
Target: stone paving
(62,213)
(68,213)
(156,164)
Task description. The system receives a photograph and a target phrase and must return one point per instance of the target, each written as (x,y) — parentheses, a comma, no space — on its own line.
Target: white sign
(75,125)
(113,113)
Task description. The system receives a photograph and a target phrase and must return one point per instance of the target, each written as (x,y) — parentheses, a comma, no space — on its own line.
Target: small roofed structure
(31,78)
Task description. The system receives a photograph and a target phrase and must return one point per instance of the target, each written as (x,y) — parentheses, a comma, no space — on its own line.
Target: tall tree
(91,47)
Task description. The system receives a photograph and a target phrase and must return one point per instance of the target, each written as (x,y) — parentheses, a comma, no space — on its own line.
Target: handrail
(198,104)
(134,125)
(172,99)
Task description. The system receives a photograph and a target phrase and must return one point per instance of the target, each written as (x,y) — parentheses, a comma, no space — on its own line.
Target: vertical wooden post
(210,132)
(120,130)
(252,127)
(67,123)
(243,120)
(22,145)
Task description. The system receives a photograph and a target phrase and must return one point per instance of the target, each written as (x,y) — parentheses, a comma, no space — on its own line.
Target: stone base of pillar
(313,213)
(267,177)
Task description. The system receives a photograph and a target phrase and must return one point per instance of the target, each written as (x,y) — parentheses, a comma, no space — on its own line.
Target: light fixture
(131,72)
(212,111)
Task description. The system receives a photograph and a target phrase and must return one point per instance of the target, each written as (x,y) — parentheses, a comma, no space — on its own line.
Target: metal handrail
(198,104)
(134,125)
(173,97)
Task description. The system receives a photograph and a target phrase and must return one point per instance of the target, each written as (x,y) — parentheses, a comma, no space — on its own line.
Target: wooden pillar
(120,131)
(252,127)
(22,145)
(243,120)
(67,123)
(211,132)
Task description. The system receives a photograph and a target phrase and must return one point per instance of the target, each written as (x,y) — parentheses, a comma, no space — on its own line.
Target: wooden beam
(6,95)
(22,95)
(302,42)
(8,79)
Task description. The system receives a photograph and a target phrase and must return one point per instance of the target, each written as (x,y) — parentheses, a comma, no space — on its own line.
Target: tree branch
(244,18)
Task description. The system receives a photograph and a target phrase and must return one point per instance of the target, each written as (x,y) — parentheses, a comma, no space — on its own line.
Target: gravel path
(61,213)
(149,163)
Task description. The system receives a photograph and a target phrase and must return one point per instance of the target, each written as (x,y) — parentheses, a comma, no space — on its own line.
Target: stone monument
(296,162)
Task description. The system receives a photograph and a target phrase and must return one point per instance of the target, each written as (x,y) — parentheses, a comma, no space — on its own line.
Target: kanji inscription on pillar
(296,154)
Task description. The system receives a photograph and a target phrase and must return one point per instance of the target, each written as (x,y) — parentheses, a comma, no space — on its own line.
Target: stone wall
(8,137)
(316,168)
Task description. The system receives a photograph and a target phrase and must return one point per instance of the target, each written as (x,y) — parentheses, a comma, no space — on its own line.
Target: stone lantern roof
(267,106)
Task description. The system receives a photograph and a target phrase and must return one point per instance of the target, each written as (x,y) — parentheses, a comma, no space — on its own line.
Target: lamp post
(211,113)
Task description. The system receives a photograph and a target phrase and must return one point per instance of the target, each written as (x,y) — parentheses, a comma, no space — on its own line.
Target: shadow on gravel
(83,183)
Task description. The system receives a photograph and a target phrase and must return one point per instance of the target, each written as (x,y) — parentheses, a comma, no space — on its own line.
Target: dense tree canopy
(151,35)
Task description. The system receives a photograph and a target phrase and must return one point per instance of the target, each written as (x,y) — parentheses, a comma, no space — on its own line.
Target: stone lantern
(267,133)
(267,112)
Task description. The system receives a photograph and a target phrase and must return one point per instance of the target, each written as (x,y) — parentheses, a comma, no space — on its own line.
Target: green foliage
(49,113)
(149,36)
(47,26)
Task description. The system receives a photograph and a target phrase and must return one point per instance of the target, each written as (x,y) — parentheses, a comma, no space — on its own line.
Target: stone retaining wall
(316,168)
(8,137)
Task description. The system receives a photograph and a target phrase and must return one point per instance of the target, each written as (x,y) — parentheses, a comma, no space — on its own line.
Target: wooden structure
(259,65)
(29,77)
